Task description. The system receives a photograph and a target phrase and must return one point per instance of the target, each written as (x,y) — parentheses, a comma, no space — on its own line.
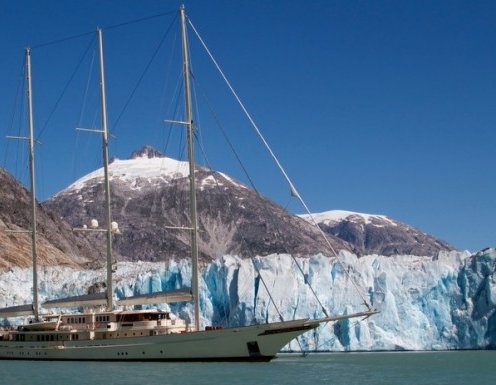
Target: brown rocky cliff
(57,243)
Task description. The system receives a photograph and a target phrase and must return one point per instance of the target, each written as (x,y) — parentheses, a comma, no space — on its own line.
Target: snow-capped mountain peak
(147,164)
(148,167)
(147,151)
(377,234)
(335,216)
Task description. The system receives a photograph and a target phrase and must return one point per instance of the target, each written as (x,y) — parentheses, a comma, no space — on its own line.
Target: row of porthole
(125,334)
(35,354)
(126,353)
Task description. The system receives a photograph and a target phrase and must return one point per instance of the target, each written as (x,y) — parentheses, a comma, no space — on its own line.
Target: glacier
(426,303)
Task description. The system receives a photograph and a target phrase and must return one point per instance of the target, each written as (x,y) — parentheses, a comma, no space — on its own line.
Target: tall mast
(103,106)
(191,157)
(33,185)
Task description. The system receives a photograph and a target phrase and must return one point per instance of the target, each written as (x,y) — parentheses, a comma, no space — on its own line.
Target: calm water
(450,368)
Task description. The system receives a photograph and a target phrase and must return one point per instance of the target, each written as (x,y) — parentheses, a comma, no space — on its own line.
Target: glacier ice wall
(445,302)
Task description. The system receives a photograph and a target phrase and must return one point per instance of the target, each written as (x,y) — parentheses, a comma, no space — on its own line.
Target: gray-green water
(450,368)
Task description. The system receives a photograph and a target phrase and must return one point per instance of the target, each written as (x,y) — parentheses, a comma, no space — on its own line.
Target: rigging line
(244,108)
(140,20)
(271,299)
(197,132)
(17,104)
(72,37)
(202,149)
(252,183)
(167,140)
(287,204)
(76,146)
(174,115)
(40,167)
(167,81)
(224,133)
(176,95)
(85,96)
(22,123)
(259,274)
(66,87)
(276,160)
(83,108)
(157,49)
(281,318)
(226,137)
(62,40)
(267,290)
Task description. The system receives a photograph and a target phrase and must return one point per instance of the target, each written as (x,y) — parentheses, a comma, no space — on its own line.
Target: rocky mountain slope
(150,194)
(378,234)
(57,244)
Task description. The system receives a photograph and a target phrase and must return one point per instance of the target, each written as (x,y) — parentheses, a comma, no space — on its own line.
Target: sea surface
(450,368)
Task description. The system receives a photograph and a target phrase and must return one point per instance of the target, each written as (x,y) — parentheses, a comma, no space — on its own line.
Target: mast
(103,106)
(191,157)
(33,185)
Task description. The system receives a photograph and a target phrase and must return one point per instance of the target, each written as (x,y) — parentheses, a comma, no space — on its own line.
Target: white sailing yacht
(104,333)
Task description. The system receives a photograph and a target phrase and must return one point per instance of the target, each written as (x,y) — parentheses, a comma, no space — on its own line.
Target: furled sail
(17,311)
(180,295)
(88,300)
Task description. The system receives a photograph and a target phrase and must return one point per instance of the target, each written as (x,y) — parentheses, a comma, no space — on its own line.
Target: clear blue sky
(383,107)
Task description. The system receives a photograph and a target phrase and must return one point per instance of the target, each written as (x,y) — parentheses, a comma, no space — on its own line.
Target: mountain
(378,234)
(57,243)
(150,195)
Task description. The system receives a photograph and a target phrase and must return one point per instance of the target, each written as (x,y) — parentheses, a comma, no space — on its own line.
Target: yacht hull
(250,343)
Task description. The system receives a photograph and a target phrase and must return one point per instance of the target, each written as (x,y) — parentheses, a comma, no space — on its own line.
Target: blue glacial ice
(444,302)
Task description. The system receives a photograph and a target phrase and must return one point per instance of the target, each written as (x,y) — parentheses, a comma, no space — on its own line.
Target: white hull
(250,343)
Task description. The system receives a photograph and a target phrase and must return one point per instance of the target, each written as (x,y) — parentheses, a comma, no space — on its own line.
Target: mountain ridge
(150,195)
(377,234)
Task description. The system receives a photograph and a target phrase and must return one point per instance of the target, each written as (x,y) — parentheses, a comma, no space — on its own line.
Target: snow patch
(335,216)
(129,170)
